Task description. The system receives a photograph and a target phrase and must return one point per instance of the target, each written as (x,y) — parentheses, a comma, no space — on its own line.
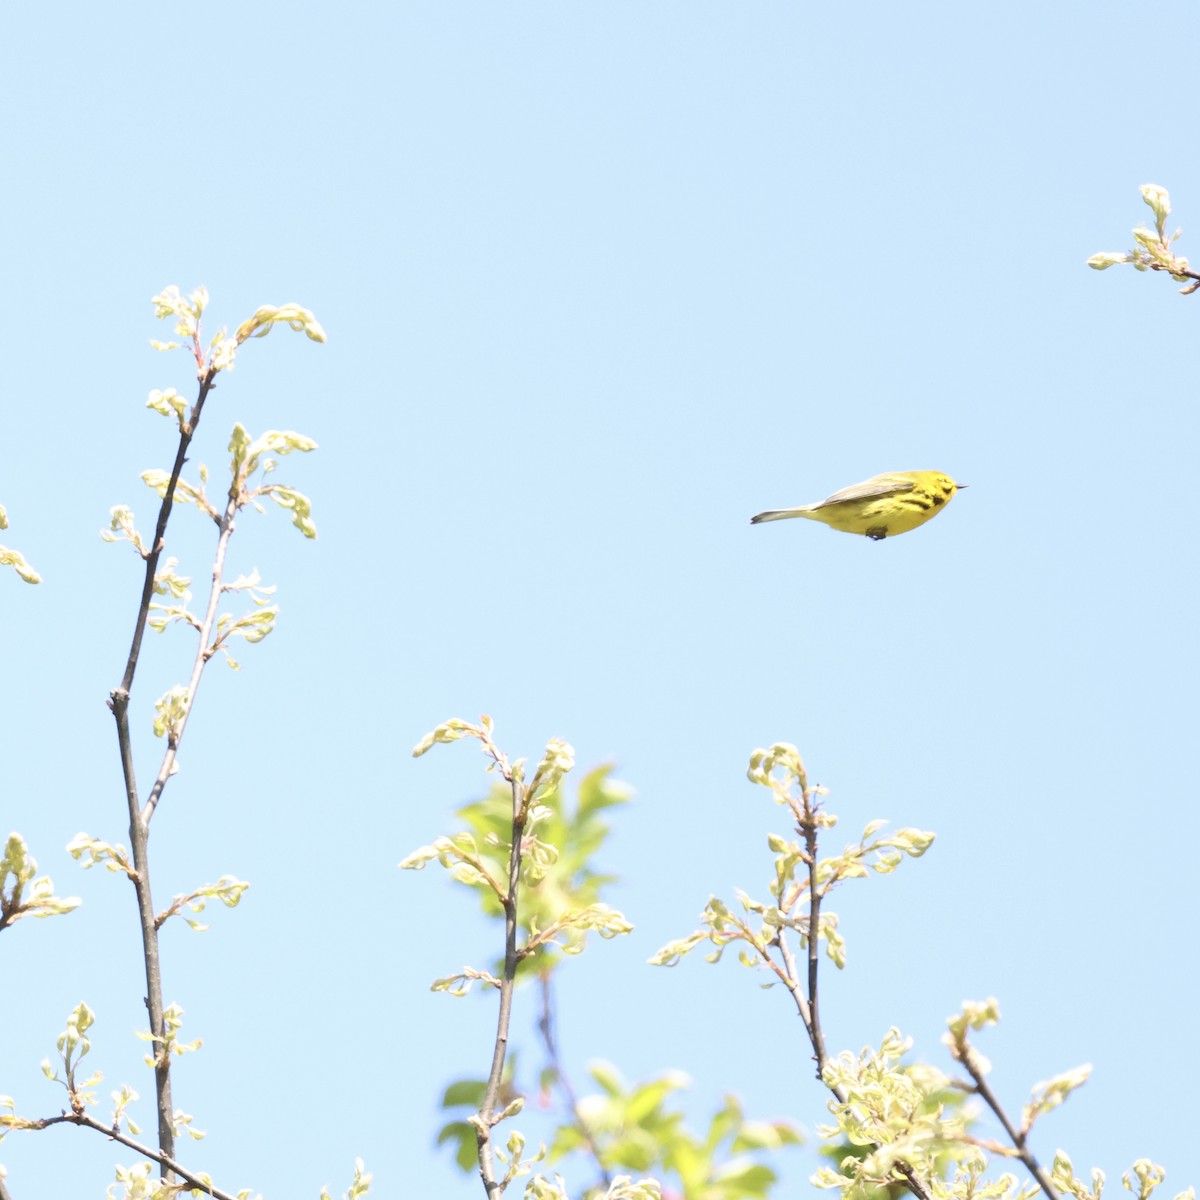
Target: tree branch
(486,1119)
(815,1034)
(168,1164)
(1175,273)
(1018,1139)
(139,828)
(546,1028)
(203,654)
(808,1005)
(186,433)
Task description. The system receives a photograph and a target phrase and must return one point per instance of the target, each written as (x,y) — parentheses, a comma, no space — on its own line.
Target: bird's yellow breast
(915,498)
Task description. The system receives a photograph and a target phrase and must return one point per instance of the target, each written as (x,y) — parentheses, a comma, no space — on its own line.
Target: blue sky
(600,282)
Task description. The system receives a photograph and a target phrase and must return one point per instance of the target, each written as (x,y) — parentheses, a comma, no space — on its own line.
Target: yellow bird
(880,507)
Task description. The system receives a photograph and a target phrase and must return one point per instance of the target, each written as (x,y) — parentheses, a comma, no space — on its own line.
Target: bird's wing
(870,489)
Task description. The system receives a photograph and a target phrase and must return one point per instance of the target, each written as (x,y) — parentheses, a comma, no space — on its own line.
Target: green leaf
(462,1136)
(462,1093)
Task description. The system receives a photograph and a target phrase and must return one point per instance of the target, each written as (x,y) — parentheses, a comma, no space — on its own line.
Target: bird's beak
(960,486)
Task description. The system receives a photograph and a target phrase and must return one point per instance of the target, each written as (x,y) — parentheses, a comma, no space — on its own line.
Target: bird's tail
(780,514)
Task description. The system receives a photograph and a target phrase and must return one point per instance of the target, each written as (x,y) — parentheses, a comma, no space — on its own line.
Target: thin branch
(187,431)
(815,896)
(546,1028)
(486,1119)
(792,981)
(1176,274)
(1019,1139)
(808,1004)
(203,654)
(139,829)
(139,835)
(190,1178)
(805,813)
(911,1181)
(989,1144)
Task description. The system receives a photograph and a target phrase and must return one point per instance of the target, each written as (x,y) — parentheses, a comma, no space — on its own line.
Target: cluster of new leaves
(169,1044)
(92,852)
(1140,1180)
(466,1096)
(469,1095)
(249,456)
(13,558)
(222,350)
(801,880)
(635,1128)
(624,1187)
(22,892)
(73,1046)
(560,901)
(566,901)
(360,1185)
(1152,249)
(896,1116)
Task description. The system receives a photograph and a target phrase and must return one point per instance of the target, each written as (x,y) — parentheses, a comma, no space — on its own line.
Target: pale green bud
(448,731)
(1110,258)
(1148,1176)
(223,353)
(167,402)
(301,508)
(170,712)
(1158,200)
(12,558)
(292,315)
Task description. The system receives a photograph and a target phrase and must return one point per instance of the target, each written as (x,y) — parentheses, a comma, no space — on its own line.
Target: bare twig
(546,1028)
(191,1178)
(1019,1138)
